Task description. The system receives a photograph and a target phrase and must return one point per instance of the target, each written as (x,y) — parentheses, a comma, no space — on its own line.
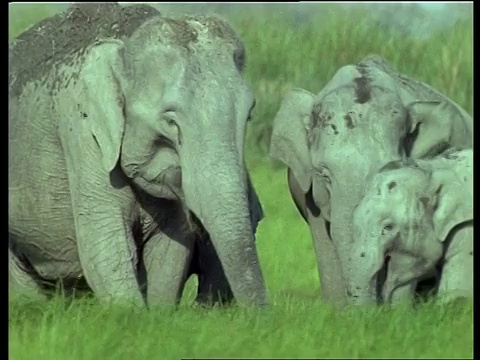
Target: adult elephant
(332,143)
(103,100)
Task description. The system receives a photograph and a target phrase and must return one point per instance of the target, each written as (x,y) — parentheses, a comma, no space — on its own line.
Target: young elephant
(420,214)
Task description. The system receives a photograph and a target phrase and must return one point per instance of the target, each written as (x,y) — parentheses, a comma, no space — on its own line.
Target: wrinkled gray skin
(333,142)
(104,121)
(213,287)
(420,213)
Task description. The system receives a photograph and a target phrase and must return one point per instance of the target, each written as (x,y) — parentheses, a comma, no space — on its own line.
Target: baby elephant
(418,214)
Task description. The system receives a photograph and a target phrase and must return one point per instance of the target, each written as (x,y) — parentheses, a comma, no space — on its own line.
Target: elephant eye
(326,179)
(387,228)
(323,173)
(171,122)
(169,118)
(250,115)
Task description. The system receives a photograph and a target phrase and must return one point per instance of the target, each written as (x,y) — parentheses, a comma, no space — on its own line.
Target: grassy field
(281,55)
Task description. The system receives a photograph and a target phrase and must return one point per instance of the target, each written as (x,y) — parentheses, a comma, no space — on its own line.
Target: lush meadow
(281,54)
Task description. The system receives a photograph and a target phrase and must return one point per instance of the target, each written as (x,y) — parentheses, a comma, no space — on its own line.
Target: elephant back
(60,38)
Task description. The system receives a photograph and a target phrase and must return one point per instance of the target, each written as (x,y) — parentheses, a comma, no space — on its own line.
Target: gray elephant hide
(112,169)
(333,142)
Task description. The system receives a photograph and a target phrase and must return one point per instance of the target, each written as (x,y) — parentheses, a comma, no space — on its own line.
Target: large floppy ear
(289,135)
(447,211)
(103,82)
(256,210)
(435,122)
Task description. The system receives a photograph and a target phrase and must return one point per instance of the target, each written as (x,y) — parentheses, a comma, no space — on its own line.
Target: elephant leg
(21,280)
(166,262)
(457,272)
(104,212)
(213,286)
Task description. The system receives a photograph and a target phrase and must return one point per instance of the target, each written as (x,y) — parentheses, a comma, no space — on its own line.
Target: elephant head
(362,119)
(175,107)
(408,213)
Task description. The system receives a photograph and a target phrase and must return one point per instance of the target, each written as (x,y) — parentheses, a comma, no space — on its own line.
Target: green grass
(292,328)
(280,56)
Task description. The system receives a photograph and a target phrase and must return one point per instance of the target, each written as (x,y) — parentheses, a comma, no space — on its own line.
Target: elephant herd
(127,170)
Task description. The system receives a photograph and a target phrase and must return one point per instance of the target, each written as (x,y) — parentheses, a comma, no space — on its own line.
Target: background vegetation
(288,46)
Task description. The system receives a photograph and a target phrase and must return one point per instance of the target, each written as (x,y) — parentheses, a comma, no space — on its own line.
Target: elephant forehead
(371,208)
(406,174)
(381,111)
(348,158)
(155,66)
(188,81)
(222,88)
(338,119)
(399,203)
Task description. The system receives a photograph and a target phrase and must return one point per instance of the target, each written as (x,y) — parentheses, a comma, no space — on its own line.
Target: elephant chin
(158,189)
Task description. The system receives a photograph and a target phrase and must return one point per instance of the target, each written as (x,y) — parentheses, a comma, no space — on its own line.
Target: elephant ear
(289,135)
(447,212)
(103,85)
(434,121)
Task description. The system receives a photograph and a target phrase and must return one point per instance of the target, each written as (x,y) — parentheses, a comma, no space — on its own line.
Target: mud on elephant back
(366,116)
(125,110)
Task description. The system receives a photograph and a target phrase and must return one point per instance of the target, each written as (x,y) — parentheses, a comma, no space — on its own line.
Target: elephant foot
(21,280)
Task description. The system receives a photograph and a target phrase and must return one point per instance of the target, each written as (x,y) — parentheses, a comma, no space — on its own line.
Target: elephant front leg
(21,281)
(104,211)
(166,261)
(457,272)
(108,257)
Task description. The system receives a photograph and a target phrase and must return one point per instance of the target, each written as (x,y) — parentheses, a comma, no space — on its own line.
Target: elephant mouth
(425,287)
(165,184)
(158,188)
(381,281)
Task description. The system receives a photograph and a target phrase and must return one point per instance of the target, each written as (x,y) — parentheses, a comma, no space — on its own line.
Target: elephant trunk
(360,263)
(215,191)
(344,239)
(366,277)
